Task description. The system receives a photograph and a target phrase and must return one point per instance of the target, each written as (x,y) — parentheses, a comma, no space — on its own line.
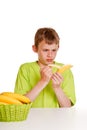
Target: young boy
(42,84)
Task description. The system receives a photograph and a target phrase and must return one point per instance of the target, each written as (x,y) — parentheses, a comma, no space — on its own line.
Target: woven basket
(14,112)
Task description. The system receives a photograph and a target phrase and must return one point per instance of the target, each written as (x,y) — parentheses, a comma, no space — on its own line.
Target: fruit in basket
(4,103)
(9,100)
(16,96)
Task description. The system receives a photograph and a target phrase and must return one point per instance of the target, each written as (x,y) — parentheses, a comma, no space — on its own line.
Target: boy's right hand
(46,74)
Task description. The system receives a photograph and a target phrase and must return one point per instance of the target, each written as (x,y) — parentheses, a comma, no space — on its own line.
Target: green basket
(13,112)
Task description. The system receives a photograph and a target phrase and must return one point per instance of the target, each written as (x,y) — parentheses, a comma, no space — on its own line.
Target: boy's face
(46,52)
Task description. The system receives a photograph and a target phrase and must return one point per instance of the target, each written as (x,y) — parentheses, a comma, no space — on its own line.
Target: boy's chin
(49,63)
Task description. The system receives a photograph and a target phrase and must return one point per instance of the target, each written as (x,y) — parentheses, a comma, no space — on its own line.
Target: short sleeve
(22,84)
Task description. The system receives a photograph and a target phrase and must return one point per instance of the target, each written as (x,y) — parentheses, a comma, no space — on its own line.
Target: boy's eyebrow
(48,49)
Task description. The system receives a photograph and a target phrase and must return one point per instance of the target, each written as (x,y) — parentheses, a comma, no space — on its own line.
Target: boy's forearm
(63,100)
(32,94)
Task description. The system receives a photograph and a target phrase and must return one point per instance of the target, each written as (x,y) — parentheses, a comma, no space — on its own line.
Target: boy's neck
(43,65)
(40,64)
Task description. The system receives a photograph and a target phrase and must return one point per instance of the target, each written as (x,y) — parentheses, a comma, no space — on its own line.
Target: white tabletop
(50,119)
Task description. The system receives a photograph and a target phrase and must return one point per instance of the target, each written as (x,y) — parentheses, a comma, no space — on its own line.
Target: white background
(19,20)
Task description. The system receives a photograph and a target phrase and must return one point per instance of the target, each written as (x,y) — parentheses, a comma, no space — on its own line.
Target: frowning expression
(46,52)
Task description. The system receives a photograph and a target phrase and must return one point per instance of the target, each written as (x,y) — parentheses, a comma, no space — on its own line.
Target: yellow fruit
(54,65)
(9,100)
(3,103)
(63,68)
(17,96)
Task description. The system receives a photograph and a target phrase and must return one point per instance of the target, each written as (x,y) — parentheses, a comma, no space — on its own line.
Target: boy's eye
(45,50)
(54,50)
(48,50)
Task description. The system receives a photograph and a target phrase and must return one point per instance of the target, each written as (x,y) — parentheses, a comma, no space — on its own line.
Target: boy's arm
(33,93)
(63,100)
(64,88)
(46,74)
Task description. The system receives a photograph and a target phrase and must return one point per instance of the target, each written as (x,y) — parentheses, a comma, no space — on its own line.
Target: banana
(9,100)
(63,68)
(17,96)
(3,103)
(54,65)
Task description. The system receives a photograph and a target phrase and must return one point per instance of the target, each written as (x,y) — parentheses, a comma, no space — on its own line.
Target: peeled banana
(16,96)
(8,100)
(62,69)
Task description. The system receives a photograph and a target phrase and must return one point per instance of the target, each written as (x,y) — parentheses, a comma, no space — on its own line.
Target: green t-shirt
(29,75)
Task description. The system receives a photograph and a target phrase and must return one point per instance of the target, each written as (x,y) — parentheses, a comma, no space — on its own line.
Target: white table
(50,119)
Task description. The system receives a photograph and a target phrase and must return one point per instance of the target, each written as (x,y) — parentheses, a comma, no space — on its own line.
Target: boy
(42,84)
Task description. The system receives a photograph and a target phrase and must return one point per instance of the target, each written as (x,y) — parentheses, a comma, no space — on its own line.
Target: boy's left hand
(57,79)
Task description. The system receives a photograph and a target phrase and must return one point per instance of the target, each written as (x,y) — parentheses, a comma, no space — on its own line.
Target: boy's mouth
(49,60)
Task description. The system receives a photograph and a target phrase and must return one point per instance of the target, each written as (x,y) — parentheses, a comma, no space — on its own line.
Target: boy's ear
(34,48)
(58,47)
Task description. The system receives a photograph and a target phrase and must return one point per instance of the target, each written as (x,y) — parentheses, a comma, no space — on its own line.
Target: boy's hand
(46,74)
(57,79)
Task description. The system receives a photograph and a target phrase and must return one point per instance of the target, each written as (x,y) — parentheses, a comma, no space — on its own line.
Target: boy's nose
(49,54)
